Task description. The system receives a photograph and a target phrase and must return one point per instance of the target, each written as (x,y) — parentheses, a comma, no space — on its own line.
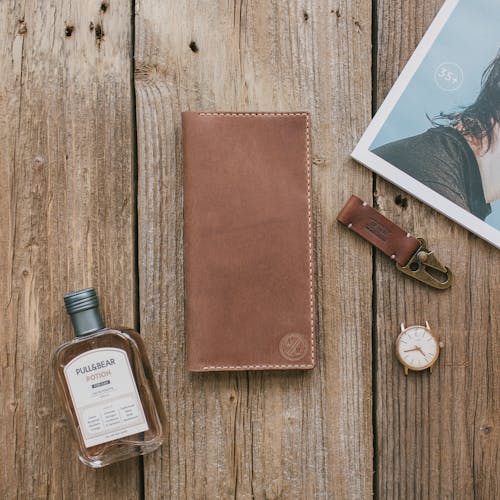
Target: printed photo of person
(458,156)
(437,133)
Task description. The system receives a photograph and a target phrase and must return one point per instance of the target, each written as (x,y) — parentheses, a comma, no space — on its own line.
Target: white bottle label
(105,396)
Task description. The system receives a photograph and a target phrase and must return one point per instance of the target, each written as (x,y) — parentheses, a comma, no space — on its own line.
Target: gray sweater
(441,159)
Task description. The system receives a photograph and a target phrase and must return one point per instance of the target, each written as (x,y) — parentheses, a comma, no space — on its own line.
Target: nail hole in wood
(68,31)
(38,162)
(193,46)
(401,201)
(22,27)
(306,16)
(99,33)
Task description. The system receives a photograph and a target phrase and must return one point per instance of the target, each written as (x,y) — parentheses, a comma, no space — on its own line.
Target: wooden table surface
(91,195)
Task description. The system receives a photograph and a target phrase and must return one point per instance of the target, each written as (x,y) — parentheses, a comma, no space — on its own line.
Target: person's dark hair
(479,119)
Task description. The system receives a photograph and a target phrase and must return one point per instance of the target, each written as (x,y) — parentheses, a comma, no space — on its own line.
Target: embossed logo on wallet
(293,346)
(377,229)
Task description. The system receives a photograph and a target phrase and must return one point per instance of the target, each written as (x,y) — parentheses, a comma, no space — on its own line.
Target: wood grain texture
(67,221)
(437,436)
(258,435)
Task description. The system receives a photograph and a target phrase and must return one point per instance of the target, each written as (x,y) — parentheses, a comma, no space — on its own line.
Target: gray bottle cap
(83,307)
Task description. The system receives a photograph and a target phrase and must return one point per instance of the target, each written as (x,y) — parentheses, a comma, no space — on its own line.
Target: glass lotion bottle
(106,385)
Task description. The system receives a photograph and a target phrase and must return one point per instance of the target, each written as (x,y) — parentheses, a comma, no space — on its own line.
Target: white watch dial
(417,347)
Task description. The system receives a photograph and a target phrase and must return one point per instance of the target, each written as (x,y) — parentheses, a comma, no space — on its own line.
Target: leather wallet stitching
(253,114)
(310,239)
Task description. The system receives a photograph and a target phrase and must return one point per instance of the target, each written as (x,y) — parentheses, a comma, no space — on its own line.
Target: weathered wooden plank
(262,435)
(437,435)
(67,221)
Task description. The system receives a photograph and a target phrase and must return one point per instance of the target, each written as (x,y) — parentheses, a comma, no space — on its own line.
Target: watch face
(417,348)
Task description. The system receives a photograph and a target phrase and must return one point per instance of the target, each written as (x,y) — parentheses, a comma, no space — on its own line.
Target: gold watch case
(418,368)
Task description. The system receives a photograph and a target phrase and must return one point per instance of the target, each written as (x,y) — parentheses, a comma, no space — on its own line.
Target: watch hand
(414,349)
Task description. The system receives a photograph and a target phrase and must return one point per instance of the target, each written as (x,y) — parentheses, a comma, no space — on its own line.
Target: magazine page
(437,134)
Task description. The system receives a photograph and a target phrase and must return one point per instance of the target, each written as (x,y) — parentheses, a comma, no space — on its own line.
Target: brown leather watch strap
(371,225)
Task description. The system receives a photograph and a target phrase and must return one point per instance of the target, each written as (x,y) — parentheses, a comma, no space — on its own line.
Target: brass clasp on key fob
(424,266)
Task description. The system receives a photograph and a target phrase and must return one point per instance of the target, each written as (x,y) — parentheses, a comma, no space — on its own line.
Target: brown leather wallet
(248,249)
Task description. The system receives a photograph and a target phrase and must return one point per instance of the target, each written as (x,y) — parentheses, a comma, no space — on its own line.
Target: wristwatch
(417,348)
